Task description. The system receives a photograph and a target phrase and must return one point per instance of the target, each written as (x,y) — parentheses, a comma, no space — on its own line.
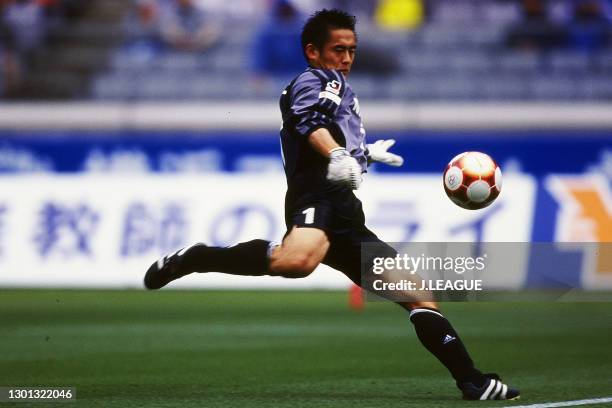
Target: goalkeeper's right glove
(343,168)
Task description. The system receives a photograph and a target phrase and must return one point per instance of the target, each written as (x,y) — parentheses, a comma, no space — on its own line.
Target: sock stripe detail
(421,310)
(503,392)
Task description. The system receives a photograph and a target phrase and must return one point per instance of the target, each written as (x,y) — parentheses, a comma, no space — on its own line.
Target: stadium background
(121,140)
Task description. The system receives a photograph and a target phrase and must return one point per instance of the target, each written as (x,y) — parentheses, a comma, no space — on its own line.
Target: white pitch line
(565,403)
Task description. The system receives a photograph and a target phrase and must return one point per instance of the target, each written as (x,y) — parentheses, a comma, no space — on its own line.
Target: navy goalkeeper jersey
(318,98)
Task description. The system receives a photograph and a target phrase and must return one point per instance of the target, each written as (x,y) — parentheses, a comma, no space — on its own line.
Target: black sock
(246,258)
(439,337)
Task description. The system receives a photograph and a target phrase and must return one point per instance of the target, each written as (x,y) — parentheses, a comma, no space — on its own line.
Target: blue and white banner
(79,230)
(96,208)
(104,231)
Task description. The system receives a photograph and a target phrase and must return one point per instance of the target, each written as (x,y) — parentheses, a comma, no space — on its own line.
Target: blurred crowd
(154,27)
(198,25)
(184,25)
(27,26)
(576,25)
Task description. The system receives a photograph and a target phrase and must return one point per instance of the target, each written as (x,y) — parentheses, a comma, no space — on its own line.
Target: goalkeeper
(324,154)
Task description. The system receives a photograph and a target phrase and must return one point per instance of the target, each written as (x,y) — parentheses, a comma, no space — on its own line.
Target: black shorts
(340,215)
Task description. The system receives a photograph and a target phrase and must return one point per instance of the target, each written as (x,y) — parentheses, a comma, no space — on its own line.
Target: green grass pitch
(288,349)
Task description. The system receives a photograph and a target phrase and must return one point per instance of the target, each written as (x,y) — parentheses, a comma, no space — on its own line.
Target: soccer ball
(472,180)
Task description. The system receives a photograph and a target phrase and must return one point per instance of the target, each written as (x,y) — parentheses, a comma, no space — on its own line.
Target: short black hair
(317,27)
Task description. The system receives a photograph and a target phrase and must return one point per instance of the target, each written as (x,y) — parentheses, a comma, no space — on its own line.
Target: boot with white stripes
(166,269)
(493,389)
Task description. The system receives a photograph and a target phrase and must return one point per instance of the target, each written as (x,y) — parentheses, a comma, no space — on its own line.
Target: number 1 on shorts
(309,212)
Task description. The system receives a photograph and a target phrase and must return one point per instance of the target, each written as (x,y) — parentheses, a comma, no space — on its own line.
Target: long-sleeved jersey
(318,98)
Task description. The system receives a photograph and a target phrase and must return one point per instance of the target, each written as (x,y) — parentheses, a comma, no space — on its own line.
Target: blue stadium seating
(437,62)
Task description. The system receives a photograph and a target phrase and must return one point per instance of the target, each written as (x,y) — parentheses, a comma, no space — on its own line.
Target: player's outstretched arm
(342,168)
(378,152)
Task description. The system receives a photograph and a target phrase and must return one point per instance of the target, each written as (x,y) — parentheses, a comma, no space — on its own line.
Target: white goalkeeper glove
(377,152)
(343,168)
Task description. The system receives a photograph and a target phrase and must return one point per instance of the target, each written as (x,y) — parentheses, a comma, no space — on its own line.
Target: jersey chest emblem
(333,87)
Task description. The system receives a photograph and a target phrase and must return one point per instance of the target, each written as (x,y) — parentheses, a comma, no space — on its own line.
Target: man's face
(337,53)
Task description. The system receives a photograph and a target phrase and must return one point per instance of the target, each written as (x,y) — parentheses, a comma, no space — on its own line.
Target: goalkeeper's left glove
(377,152)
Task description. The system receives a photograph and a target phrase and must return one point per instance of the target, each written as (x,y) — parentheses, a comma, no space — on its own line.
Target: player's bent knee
(294,267)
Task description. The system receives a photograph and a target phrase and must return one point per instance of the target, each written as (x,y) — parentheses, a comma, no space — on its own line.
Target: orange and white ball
(472,180)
